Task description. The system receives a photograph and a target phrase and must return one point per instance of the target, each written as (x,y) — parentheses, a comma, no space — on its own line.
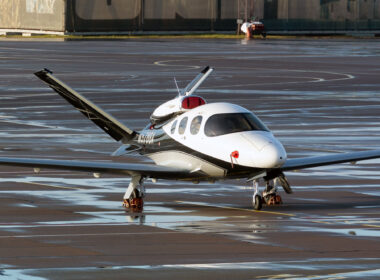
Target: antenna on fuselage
(176,84)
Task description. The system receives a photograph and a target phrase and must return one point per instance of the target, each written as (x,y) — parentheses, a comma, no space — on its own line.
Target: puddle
(341,187)
(360,232)
(371,193)
(315,267)
(77,192)
(197,190)
(364,207)
(25,205)
(276,266)
(308,265)
(19,274)
(364,274)
(309,199)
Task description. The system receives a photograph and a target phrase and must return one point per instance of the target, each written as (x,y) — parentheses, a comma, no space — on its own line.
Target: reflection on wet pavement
(287,270)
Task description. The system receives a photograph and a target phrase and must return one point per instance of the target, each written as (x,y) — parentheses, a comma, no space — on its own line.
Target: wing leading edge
(309,162)
(163,172)
(129,169)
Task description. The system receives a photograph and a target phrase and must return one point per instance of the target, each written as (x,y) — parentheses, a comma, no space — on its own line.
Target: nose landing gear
(268,197)
(257,200)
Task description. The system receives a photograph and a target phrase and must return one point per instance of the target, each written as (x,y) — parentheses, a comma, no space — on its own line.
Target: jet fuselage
(218,139)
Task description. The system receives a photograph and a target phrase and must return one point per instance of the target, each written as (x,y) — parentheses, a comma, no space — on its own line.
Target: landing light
(235,154)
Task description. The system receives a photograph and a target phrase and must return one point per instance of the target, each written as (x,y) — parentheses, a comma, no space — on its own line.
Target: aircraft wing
(129,169)
(105,121)
(309,162)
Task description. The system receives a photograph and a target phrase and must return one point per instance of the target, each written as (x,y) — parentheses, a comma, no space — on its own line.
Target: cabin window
(182,126)
(195,125)
(172,129)
(221,124)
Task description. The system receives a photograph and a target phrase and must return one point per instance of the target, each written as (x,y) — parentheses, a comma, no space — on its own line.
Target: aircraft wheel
(257,202)
(134,204)
(278,199)
(137,203)
(126,203)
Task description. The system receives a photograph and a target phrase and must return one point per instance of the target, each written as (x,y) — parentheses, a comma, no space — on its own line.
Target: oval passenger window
(172,129)
(195,125)
(182,126)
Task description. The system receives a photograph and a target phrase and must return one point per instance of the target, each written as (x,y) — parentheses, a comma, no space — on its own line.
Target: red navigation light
(191,102)
(235,154)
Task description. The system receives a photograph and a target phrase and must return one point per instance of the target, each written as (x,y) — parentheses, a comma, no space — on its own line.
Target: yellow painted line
(367,225)
(280,276)
(322,222)
(352,214)
(166,63)
(234,208)
(52,186)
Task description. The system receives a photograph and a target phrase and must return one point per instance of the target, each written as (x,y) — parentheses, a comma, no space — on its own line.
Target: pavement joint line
(322,222)
(234,208)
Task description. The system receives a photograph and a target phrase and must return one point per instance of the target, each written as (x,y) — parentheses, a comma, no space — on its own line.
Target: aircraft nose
(272,155)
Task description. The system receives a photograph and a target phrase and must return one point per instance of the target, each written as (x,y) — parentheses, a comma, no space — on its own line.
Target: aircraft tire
(257,202)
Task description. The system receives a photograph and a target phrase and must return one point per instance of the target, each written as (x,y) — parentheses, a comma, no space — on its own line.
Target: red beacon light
(191,102)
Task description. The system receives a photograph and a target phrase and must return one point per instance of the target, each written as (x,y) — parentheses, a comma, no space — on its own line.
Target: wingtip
(44,71)
(48,71)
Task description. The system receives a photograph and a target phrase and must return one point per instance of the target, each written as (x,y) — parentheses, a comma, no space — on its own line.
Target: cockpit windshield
(221,124)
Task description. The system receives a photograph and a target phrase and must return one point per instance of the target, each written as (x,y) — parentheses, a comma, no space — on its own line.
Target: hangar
(142,16)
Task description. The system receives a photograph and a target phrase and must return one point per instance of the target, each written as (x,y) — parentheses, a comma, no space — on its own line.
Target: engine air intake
(191,102)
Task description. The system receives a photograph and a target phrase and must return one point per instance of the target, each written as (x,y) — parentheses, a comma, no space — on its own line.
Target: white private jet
(190,140)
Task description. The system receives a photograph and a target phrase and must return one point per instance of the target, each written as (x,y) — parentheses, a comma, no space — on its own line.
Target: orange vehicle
(257,28)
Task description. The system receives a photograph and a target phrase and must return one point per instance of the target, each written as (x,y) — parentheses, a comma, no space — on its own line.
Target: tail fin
(198,80)
(105,121)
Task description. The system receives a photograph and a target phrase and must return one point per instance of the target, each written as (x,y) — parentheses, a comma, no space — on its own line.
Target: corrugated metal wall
(151,15)
(208,15)
(33,14)
(322,15)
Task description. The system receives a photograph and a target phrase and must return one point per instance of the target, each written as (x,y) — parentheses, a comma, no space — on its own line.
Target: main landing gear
(133,197)
(268,197)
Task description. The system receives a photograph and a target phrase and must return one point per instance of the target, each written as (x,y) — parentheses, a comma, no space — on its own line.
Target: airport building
(142,16)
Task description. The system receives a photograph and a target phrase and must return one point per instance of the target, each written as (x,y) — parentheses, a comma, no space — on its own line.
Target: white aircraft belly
(186,161)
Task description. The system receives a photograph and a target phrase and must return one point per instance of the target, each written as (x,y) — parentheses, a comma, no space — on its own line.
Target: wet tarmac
(317,96)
